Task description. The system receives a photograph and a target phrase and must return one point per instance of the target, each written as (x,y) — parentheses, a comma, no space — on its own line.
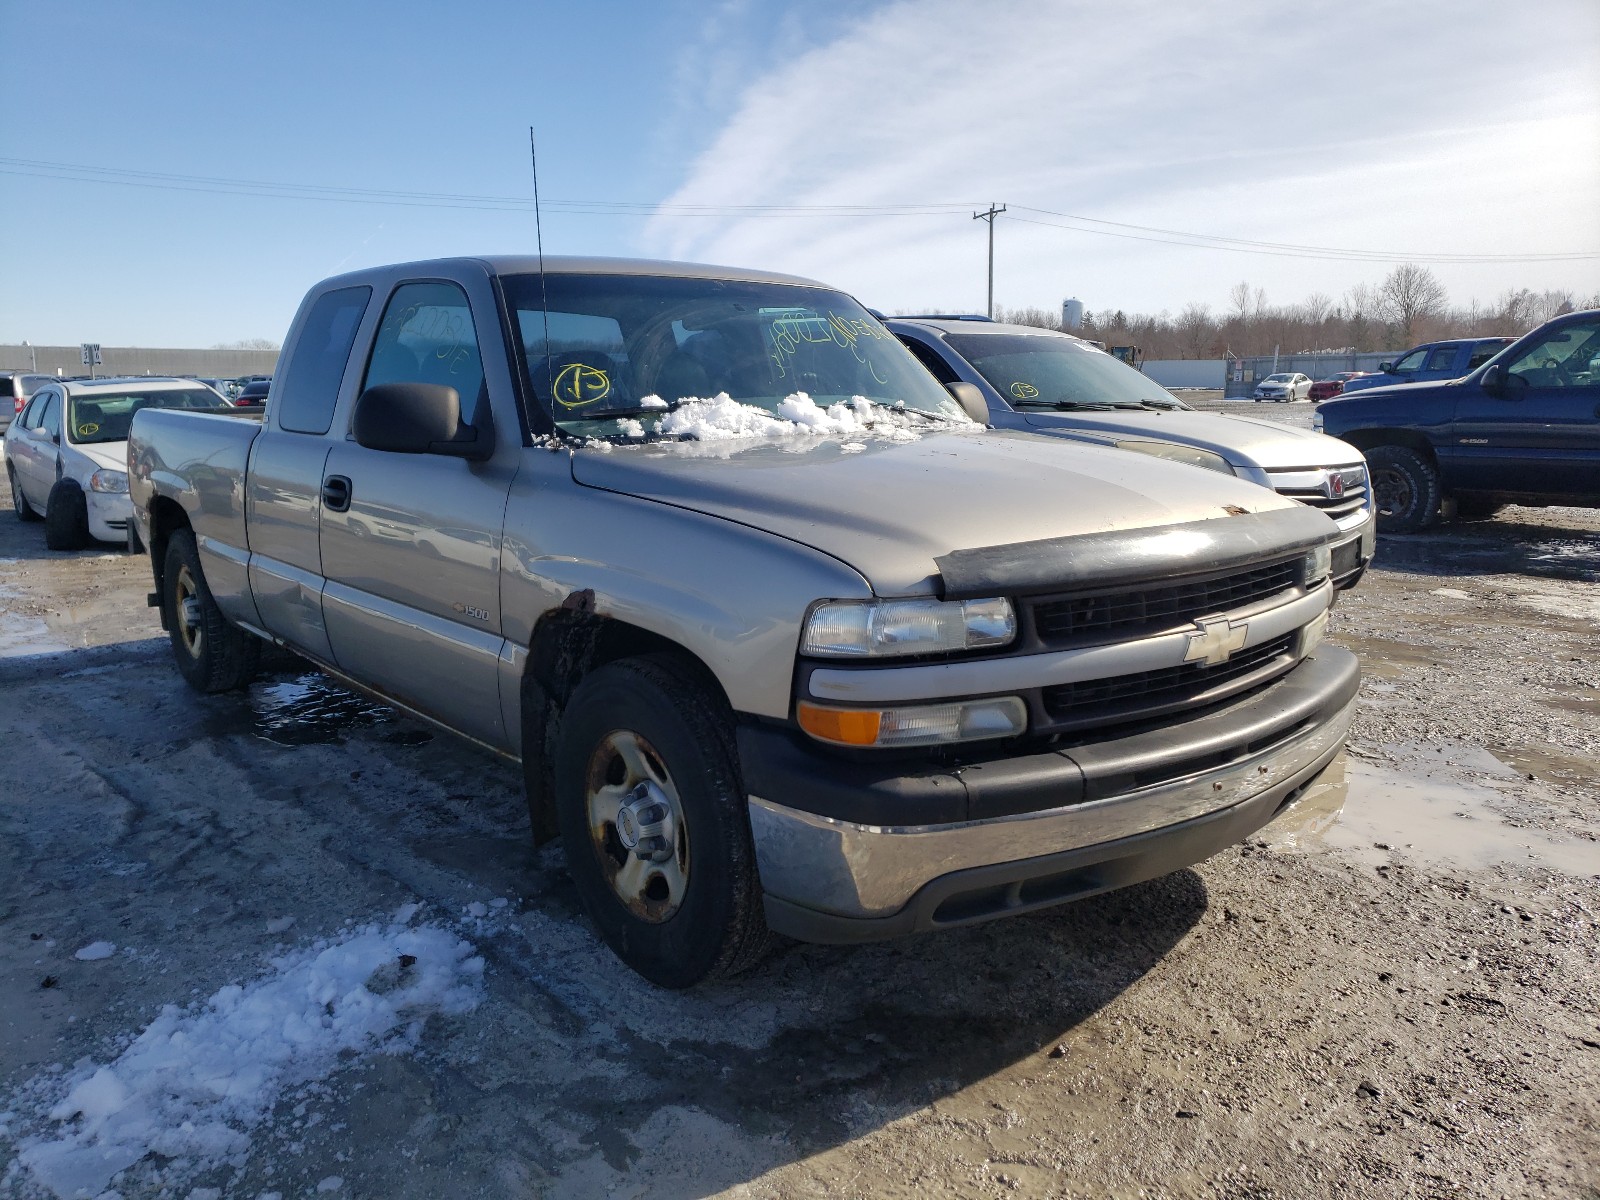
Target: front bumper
(1024,833)
(109,515)
(1352,555)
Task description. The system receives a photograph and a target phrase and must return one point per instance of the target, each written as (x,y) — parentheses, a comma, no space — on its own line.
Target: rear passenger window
(931,359)
(1443,358)
(310,387)
(427,336)
(1483,352)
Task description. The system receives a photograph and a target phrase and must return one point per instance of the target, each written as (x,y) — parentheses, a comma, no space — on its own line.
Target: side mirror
(1494,380)
(971,400)
(417,418)
(1386,368)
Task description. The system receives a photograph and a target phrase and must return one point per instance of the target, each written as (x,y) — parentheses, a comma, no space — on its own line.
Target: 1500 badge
(466,610)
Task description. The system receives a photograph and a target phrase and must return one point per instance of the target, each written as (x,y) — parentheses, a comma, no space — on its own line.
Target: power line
(1069,222)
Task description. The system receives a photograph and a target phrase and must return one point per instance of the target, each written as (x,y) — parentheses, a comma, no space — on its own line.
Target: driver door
(1540,433)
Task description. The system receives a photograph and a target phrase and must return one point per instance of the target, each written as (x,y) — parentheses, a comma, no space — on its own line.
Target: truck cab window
(310,386)
(427,336)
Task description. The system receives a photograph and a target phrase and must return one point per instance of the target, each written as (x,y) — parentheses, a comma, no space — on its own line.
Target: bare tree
(1196,331)
(1041,318)
(1239,300)
(1408,294)
(1316,307)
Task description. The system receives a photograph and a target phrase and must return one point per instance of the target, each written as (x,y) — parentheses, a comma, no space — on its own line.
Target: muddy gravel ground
(1394,991)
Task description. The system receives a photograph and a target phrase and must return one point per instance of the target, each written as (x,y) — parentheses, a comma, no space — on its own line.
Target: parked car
(16,387)
(1052,383)
(1327,389)
(1285,387)
(819,654)
(1523,428)
(66,455)
(1432,361)
(254,392)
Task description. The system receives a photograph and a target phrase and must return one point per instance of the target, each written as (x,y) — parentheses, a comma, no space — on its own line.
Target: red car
(1327,389)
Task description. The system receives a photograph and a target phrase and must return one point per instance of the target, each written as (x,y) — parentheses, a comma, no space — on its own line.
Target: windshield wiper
(611,414)
(1163,405)
(1074,405)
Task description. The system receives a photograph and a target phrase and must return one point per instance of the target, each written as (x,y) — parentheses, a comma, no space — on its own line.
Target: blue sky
(1427,129)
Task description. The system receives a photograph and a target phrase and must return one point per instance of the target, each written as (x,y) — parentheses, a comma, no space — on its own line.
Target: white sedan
(1284,387)
(67,453)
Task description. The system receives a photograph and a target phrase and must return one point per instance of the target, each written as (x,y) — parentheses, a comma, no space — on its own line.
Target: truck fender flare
(567,643)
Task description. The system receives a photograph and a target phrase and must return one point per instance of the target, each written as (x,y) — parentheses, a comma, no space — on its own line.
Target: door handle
(336,492)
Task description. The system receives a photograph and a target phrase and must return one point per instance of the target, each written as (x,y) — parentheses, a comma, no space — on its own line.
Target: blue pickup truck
(1524,428)
(1432,361)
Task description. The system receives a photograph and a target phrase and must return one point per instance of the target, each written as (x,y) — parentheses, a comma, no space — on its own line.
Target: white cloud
(1420,128)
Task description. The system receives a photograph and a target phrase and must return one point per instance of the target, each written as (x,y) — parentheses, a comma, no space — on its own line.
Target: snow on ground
(195,1082)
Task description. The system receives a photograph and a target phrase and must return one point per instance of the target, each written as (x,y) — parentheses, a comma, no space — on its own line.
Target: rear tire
(66,517)
(211,654)
(25,511)
(671,883)
(1405,487)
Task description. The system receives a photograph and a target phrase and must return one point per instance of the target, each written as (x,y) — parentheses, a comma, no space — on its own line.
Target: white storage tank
(1072,314)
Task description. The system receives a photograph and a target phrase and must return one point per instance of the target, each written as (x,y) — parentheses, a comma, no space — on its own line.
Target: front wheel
(654,823)
(1405,486)
(212,654)
(25,511)
(66,517)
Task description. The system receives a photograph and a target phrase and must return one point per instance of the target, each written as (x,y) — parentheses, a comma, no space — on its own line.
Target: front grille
(1352,500)
(1065,621)
(1105,701)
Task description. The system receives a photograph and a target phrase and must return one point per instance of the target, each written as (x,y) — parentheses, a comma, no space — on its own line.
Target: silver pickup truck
(782,639)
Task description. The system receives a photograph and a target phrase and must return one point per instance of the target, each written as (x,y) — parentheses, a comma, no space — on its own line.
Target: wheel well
(1370,439)
(166,517)
(568,644)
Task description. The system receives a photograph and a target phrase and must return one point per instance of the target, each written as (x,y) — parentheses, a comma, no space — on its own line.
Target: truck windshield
(1041,371)
(614,350)
(105,417)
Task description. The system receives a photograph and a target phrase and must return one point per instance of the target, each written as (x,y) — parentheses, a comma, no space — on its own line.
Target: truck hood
(890,508)
(1243,441)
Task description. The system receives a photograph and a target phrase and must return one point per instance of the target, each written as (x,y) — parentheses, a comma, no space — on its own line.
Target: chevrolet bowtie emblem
(1216,640)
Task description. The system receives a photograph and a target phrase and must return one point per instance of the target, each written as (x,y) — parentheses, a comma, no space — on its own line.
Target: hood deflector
(1131,556)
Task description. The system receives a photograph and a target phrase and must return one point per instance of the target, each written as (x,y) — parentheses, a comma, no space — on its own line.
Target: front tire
(1405,486)
(25,511)
(66,517)
(654,822)
(211,654)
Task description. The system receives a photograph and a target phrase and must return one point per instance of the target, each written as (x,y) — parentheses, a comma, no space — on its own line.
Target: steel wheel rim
(1393,491)
(620,763)
(186,612)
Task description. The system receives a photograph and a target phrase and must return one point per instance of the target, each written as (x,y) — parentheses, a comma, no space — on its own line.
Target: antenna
(544,293)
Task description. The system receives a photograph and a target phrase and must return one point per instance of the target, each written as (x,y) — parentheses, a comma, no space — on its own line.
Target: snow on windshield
(722,418)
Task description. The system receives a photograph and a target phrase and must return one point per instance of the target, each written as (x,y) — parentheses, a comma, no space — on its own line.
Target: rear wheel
(211,654)
(654,824)
(25,511)
(1405,486)
(66,517)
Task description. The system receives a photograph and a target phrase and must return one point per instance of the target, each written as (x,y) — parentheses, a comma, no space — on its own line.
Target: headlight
(108,481)
(885,628)
(919,725)
(1316,421)
(1185,454)
(1319,565)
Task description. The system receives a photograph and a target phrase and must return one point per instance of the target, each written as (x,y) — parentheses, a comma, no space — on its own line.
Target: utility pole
(989,217)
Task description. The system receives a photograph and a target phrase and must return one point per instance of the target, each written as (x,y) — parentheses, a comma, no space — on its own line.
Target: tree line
(1408,306)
